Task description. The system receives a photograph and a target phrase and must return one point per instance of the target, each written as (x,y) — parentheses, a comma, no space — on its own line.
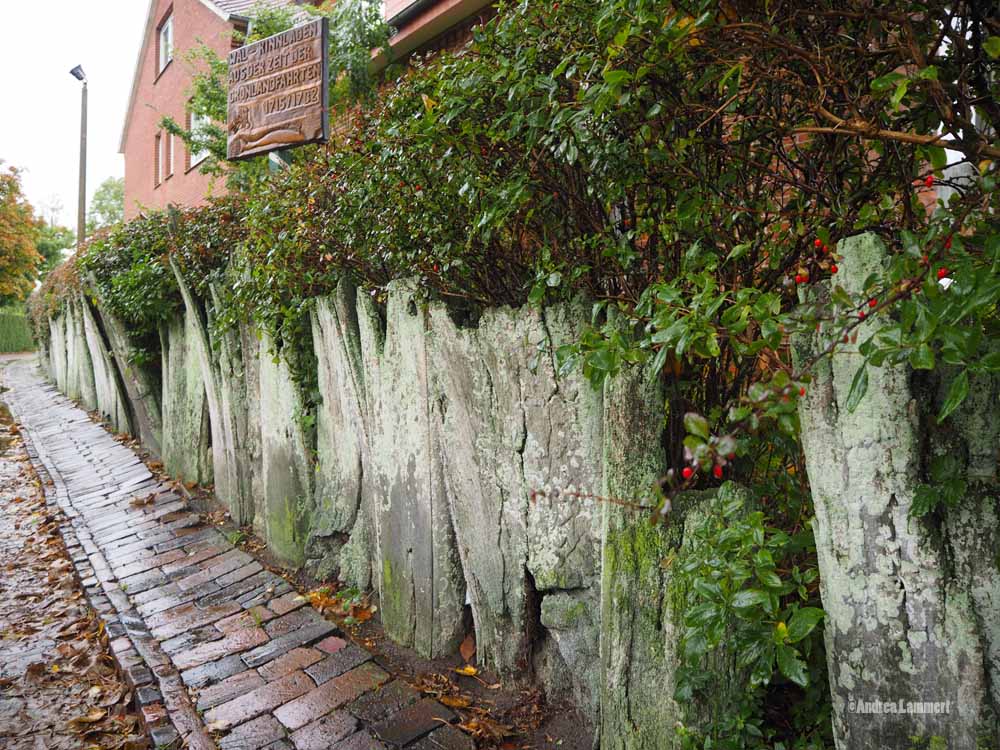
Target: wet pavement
(59,688)
(219,651)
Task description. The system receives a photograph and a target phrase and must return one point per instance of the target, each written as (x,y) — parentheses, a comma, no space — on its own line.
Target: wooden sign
(279,92)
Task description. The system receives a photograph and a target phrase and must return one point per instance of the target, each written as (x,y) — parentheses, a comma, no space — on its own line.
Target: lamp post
(81,215)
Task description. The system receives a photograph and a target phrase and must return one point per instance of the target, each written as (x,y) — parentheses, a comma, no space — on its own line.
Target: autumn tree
(19,258)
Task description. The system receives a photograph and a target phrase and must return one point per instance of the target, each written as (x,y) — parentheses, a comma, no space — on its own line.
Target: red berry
(731,456)
(717,472)
(942,272)
(687,472)
(947,243)
(862,315)
(833,268)
(826,249)
(873,303)
(798,279)
(436,268)
(418,188)
(802,391)
(817,242)
(925,260)
(929,182)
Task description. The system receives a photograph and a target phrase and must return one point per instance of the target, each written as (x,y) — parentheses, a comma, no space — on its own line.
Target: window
(165,48)
(157,159)
(168,161)
(196,124)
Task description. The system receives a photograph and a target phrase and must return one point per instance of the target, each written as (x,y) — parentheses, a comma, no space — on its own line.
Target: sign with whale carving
(279,92)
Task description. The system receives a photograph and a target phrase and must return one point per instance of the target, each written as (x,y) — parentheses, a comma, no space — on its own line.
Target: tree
(52,240)
(108,204)
(19,259)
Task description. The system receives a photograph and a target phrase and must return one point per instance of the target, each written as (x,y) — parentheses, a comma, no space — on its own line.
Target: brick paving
(221,652)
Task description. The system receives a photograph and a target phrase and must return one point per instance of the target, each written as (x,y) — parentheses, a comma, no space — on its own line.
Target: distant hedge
(15,332)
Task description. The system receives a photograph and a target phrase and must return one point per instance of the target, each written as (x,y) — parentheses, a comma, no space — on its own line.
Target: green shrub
(15,332)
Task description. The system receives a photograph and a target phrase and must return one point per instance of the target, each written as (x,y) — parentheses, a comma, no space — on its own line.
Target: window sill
(195,166)
(163,70)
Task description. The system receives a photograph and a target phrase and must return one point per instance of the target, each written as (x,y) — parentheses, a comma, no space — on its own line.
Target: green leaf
(739,251)
(769,578)
(886,82)
(956,395)
(803,622)
(991,362)
(939,157)
(925,499)
(696,424)
(617,77)
(859,387)
(749,598)
(922,358)
(792,666)
(899,93)
(992,46)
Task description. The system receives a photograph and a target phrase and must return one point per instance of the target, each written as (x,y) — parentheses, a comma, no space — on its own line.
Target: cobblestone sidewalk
(221,652)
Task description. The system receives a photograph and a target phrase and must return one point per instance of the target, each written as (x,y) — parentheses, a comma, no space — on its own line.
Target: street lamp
(81,215)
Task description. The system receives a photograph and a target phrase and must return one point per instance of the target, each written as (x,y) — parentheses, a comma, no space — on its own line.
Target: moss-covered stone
(187,437)
(910,603)
(286,455)
(140,379)
(109,391)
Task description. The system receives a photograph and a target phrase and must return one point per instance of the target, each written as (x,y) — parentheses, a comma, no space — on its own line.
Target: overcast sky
(40,110)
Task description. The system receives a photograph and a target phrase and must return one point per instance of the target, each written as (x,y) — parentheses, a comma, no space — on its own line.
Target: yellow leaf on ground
(92,716)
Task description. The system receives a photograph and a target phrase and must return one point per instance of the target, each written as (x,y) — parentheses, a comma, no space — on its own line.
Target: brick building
(159,169)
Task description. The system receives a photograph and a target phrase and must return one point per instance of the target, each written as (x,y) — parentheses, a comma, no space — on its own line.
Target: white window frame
(197,157)
(158,160)
(165,42)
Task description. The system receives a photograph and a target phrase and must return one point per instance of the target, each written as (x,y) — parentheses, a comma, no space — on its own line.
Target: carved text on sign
(278,91)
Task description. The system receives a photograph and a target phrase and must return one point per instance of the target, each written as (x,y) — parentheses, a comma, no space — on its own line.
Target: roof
(231,11)
(241,8)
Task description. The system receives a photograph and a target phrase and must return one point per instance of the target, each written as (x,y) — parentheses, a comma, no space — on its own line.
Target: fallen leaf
(92,716)
(468,670)
(454,701)
(485,728)
(468,647)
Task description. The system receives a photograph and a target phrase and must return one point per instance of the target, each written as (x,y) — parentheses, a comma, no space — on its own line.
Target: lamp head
(78,73)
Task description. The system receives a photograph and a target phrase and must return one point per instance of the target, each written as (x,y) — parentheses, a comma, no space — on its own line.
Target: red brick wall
(166,94)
